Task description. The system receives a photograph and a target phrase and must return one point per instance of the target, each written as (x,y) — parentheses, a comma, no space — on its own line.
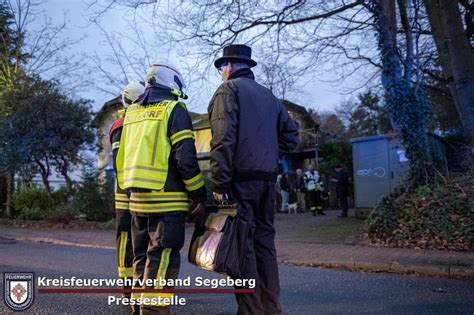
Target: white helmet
(166,75)
(131,92)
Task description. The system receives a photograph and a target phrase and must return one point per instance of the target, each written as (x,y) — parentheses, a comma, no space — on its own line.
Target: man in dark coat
(342,189)
(249,126)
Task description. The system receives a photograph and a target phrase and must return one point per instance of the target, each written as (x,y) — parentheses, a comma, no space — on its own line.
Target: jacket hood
(155,94)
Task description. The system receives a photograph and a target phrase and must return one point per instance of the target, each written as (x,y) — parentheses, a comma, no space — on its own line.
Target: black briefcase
(218,241)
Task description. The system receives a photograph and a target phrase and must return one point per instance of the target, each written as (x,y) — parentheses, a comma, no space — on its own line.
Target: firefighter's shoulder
(116,125)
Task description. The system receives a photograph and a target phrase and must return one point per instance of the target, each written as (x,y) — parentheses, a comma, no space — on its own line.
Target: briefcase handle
(227,208)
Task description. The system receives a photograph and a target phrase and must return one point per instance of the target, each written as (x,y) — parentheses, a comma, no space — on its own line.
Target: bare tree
(307,37)
(131,54)
(290,38)
(40,50)
(122,64)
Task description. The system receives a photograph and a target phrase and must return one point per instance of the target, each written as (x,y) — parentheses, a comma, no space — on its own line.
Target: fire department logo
(19,290)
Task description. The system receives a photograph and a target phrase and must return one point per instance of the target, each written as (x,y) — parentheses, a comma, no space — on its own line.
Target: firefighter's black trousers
(157,240)
(315,202)
(123,223)
(256,201)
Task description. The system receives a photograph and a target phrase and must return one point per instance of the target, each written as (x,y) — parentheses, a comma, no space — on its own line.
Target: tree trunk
(64,172)
(10,188)
(46,184)
(456,57)
(402,8)
(406,103)
(44,172)
(387,41)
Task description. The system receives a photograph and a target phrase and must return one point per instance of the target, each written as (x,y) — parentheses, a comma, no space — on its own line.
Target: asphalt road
(304,290)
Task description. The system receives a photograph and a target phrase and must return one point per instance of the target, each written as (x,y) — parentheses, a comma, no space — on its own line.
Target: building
(381,165)
(102,121)
(305,153)
(300,158)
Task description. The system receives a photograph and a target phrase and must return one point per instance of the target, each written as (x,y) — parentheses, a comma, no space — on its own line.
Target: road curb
(461,272)
(446,271)
(55,241)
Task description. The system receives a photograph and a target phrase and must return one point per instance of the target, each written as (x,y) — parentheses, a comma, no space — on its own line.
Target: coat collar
(155,94)
(242,73)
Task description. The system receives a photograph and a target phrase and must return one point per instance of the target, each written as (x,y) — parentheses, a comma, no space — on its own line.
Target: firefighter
(157,164)
(130,94)
(313,186)
(321,196)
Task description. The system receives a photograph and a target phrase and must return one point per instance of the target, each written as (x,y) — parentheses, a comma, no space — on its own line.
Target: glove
(198,208)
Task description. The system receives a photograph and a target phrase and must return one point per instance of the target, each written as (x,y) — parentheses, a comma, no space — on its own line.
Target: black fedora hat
(236,53)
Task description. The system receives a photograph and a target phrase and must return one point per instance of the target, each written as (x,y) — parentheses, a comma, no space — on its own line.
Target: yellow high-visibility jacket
(157,160)
(115,133)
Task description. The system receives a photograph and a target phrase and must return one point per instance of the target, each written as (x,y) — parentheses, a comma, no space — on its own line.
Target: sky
(317,92)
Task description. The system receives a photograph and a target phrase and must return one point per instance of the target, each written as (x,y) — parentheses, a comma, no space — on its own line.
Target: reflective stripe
(164,262)
(136,295)
(159,196)
(161,274)
(194,183)
(158,294)
(122,248)
(138,179)
(121,205)
(146,168)
(181,135)
(121,197)
(155,144)
(159,206)
(116,145)
(121,201)
(182,138)
(125,272)
(165,207)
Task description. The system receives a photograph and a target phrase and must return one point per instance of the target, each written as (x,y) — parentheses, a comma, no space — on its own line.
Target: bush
(64,211)
(94,201)
(3,192)
(382,220)
(438,217)
(91,200)
(62,195)
(34,213)
(109,225)
(32,203)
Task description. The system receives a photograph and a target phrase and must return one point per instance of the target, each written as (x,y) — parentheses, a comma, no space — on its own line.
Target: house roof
(108,106)
(294,107)
(301,110)
(200,121)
